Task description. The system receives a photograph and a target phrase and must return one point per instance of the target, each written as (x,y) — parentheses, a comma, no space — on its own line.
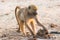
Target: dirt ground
(13,35)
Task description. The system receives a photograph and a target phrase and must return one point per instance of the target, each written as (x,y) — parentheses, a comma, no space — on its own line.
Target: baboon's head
(32,9)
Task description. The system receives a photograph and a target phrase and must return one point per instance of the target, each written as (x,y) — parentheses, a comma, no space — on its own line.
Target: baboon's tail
(17,7)
(16,13)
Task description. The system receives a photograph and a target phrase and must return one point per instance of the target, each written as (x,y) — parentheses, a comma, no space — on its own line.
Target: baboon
(27,15)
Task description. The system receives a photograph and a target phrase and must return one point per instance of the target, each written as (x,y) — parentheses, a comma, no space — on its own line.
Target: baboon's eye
(29,7)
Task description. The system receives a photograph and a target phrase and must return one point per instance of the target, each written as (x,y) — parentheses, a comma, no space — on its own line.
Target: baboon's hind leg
(22,28)
(19,22)
(18,26)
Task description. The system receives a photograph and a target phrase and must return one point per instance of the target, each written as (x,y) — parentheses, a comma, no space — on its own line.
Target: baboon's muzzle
(34,13)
